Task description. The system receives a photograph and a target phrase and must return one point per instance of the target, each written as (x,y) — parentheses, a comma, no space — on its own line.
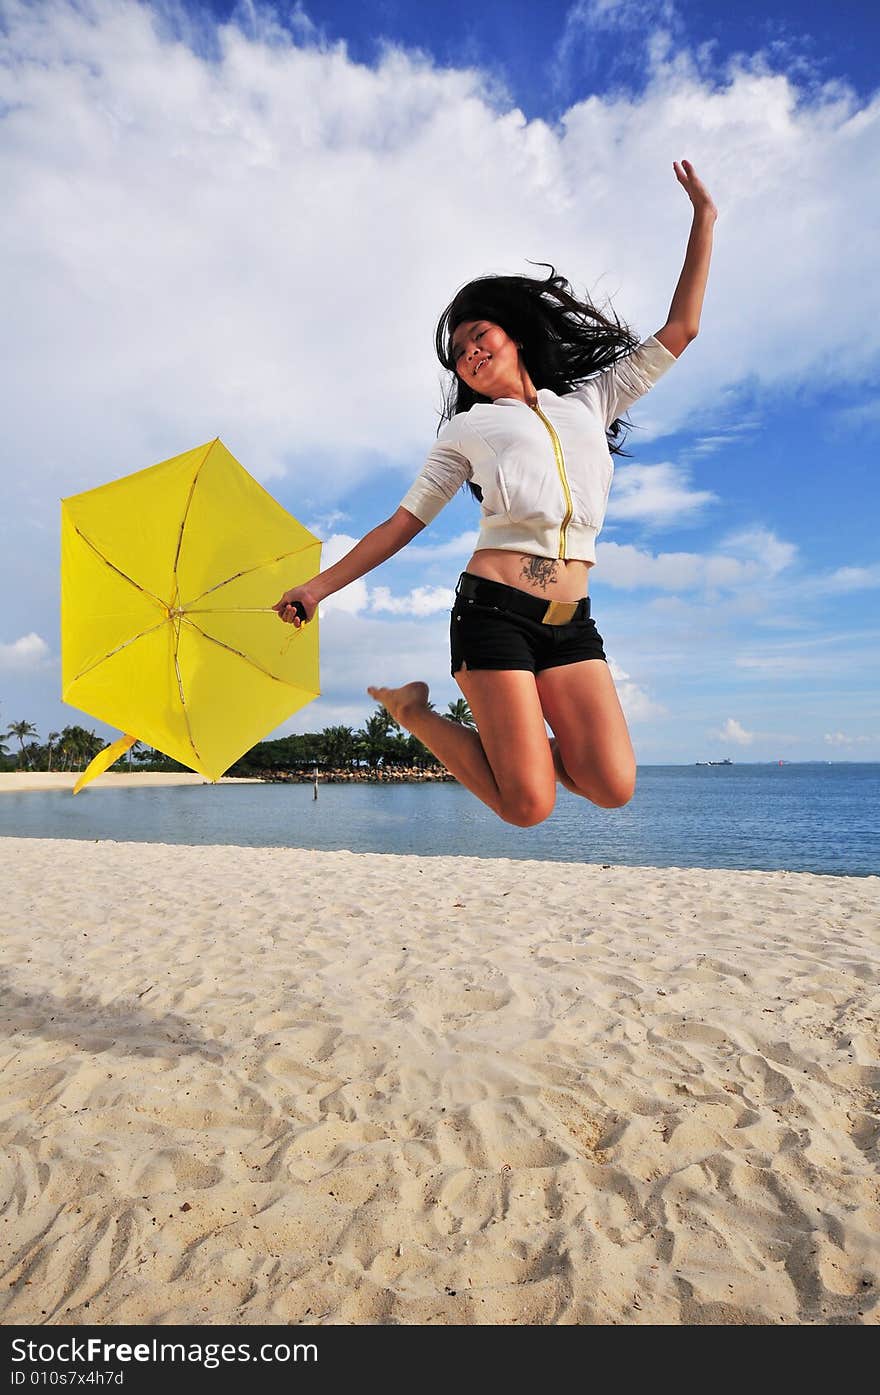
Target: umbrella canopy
(168,579)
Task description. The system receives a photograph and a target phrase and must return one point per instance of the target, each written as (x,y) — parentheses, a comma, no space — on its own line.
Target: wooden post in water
(315,795)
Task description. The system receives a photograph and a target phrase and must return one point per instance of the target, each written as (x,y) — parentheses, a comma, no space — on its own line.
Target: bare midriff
(551,578)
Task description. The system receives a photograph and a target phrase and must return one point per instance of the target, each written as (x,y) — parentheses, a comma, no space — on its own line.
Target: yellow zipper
(560,465)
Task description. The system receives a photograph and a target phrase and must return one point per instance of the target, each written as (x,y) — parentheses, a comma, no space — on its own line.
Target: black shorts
(496,628)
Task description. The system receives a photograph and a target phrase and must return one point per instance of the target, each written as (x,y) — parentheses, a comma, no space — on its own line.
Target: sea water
(801,818)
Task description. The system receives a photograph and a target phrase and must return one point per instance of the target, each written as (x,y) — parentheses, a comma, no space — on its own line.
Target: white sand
(17,780)
(266,1085)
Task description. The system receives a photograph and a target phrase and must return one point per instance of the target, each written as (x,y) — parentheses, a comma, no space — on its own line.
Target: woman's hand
(694,188)
(285,607)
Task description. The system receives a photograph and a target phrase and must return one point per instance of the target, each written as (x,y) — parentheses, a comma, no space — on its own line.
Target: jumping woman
(540,382)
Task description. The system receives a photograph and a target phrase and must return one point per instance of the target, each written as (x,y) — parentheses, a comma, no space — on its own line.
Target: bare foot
(562,774)
(398,701)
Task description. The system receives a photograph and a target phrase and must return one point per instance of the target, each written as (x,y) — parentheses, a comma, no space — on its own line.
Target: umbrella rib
(181,692)
(253,663)
(124,645)
(186,508)
(247,571)
(106,560)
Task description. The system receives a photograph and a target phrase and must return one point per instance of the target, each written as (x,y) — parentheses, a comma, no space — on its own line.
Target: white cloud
(656,494)
(28,652)
(232,243)
(457,548)
(846,579)
(772,553)
(752,555)
(637,705)
(351,598)
(358,597)
(585,20)
(422,600)
(839,738)
(811,655)
(323,524)
(786,664)
(724,435)
(863,416)
(733,731)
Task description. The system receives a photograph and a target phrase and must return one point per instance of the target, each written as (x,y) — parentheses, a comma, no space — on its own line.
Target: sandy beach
(16,781)
(265,1085)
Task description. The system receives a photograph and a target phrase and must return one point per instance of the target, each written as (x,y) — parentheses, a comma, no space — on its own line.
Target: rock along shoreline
(392,775)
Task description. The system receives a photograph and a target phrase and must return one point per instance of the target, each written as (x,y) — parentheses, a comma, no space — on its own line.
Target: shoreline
(12,781)
(393,775)
(271,1085)
(19,780)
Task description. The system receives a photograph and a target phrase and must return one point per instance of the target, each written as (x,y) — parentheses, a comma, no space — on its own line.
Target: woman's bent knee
(615,793)
(528,808)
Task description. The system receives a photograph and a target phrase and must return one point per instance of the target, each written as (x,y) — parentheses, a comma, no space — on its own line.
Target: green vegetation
(380,745)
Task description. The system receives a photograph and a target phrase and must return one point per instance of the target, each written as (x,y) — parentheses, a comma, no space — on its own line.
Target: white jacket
(545,472)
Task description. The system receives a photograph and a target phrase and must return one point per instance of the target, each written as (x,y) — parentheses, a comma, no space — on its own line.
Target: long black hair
(563,339)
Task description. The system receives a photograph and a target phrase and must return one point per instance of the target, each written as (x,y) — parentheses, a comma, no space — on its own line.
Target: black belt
(501,597)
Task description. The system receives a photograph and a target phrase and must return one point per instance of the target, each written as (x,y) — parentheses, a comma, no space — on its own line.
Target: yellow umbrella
(168,579)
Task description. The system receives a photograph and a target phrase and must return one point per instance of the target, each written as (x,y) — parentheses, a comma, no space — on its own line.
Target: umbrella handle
(103,760)
(238,610)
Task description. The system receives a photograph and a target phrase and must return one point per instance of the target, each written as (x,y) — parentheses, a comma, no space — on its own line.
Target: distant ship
(726,761)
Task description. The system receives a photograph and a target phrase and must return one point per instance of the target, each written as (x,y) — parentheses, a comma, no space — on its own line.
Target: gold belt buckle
(559,612)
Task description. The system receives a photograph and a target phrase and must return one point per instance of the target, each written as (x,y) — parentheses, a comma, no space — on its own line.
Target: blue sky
(551,54)
(236,220)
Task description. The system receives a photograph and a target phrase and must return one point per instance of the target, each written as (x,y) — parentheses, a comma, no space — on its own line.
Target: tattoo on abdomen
(540,570)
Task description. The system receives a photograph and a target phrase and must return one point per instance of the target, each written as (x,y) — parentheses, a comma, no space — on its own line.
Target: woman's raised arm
(683,321)
(373,549)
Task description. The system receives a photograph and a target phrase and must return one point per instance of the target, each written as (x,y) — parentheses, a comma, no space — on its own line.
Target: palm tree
(418,755)
(459,711)
(76,740)
(50,743)
(146,755)
(137,752)
(21,730)
(67,747)
(338,746)
(374,736)
(78,746)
